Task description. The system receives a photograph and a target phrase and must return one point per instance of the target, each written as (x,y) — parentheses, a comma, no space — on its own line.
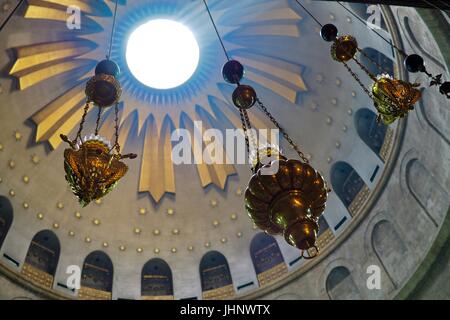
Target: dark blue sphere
(414,63)
(329,32)
(233,71)
(108,67)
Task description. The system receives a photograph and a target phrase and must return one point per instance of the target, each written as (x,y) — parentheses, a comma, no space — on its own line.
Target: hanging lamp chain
(309,13)
(116,128)
(357,79)
(97,123)
(373,30)
(380,67)
(244,128)
(446,5)
(371,76)
(216,30)
(83,120)
(283,132)
(113,28)
(253,139)
(11,14)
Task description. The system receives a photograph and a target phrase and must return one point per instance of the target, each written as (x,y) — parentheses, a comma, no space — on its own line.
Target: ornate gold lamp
(289,201)
(284,196)
(92,165)
(392,98)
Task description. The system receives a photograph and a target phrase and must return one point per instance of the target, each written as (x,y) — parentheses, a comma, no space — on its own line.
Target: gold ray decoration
(61,5)
(157,174)
(284,91)
(38,63)
(39,73)
(218,172)
(273,14)
(272,30)
(45,13)
(125,128)
(283,78)
(59,116)
(209,174)
(29,57)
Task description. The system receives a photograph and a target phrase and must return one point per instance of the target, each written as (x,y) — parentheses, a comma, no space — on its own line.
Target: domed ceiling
(178,213)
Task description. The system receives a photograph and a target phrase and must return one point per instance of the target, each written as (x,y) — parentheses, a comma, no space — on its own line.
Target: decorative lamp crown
(91,170)
(394,98)
(103,89)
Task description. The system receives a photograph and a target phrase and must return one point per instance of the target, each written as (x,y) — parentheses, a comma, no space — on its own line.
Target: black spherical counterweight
(233,71)
(414,63)
(329,32)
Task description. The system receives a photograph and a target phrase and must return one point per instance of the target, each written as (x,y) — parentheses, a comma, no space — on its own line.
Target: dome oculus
(162,54)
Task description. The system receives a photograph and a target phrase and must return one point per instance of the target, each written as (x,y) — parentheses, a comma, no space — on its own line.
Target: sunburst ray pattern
(149,115)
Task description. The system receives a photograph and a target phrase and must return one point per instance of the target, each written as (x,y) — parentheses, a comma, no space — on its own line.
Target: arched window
(267,259)
(427,191)
(42,259)
(369,130)
(323,225)
(96,277)
(341,286)
(348,185)
(215,276)
(156,280)
(390,250)
(6,217)
(372,59)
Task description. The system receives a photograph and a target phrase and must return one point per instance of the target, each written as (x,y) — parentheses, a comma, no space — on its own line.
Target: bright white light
(162,54)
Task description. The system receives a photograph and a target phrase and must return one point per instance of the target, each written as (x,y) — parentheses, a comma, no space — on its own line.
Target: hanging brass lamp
(284,196)
(92,164)
(103,89)
(289,201)
(393,98)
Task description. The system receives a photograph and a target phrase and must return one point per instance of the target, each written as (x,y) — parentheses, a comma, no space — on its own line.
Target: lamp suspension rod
(309,13)
(112,31)
(11,14)
(446,5)
(217,31)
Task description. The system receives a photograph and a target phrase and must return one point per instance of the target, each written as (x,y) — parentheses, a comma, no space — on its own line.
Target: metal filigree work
(91,170)
(104,90)
(38,63)
(288,202)
(394,98)
(344,48)
(92,167)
